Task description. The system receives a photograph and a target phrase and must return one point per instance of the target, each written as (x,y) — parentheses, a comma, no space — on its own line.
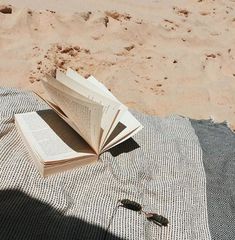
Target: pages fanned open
(86,120)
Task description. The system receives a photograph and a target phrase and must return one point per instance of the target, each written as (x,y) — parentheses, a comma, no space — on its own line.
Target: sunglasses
(134,206)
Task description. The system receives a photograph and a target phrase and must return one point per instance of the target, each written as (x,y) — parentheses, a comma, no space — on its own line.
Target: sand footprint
(130,47)
(6,9)
(86,15)
(169,25)
(181,12)
(118,16)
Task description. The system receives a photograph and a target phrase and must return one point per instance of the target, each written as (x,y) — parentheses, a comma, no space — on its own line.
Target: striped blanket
(179,168)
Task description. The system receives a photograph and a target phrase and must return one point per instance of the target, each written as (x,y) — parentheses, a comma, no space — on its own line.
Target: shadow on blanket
(124,147)
(24,217)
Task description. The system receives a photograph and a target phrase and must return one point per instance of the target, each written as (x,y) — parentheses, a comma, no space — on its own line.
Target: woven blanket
(179,168)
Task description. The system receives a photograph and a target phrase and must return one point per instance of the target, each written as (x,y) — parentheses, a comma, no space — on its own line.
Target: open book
(87,120)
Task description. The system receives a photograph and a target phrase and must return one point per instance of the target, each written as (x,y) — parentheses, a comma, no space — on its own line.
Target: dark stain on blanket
(24,217)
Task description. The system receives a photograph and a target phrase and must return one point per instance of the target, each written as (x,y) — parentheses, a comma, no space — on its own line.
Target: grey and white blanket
(179,168)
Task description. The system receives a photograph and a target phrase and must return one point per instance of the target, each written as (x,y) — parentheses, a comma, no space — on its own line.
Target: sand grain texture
(158,57)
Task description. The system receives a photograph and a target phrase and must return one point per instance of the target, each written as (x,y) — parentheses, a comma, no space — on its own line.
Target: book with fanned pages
(86,119)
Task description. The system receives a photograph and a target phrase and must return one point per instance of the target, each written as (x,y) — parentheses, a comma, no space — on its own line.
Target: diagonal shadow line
(24,217)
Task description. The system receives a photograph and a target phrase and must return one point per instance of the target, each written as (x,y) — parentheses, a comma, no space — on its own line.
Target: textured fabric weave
(218,145)
(165,174)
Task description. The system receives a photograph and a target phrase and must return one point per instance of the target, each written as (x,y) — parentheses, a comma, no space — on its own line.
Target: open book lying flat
(87,120)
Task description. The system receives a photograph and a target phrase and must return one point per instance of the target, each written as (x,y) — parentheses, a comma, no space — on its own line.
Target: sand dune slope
(173,58)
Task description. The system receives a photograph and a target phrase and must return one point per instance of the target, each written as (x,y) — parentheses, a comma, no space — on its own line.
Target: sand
(158,57)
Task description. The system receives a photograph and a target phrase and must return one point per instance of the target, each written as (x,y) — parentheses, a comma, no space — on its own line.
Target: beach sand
(157,57)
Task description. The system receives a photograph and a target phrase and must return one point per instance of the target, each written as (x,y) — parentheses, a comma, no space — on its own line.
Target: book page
(89,83)
(50,137)
(133,126)
(120,140)
(127,124)
(61,114)
(113,110)
(63,166)
(102,89)
(87,90)
(86,115)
